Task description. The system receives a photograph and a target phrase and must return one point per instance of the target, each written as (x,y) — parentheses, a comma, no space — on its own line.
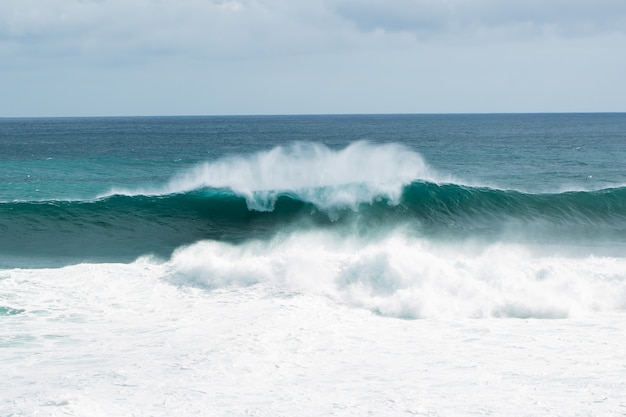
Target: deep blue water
(113,189)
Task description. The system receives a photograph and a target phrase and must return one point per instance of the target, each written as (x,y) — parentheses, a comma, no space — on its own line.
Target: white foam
(117,340)
(407,277)
(313,172)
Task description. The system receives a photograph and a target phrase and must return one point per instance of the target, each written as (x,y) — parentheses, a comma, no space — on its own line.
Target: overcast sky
(179,57)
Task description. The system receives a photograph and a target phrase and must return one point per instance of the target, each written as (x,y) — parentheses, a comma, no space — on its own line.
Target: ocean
(345,265)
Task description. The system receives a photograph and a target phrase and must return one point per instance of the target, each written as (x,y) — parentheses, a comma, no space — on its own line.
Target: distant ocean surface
(156,265)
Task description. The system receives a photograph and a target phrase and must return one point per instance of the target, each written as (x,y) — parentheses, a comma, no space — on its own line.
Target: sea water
(313,265)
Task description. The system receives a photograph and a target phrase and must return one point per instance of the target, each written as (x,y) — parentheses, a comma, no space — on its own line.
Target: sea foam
(405,277)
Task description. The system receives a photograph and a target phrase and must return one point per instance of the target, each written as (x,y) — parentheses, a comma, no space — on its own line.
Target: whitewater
(323,265)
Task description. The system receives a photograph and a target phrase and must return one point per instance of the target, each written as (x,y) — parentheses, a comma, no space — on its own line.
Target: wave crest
(360,173)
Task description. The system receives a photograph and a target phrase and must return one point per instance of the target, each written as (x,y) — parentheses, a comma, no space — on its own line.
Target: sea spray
(312,172)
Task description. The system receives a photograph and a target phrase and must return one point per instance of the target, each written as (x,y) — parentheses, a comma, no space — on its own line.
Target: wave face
(123,227)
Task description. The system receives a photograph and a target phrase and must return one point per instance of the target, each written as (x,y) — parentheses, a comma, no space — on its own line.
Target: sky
(221,57)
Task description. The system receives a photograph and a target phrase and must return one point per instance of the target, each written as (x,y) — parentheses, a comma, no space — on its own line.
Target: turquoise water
(114,189)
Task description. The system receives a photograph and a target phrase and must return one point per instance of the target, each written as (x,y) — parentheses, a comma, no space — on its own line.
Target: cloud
(107,32)
(109,57)
(463,18)
(102,29)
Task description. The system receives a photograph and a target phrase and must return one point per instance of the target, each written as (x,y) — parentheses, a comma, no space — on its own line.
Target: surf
(407,277)
(122,227)
(364,190)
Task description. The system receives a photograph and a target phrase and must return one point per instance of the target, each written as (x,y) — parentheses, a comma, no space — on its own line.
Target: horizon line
(235,115)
